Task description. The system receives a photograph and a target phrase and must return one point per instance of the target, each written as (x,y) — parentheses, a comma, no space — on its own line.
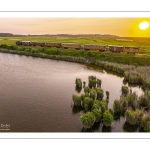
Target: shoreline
(124,70)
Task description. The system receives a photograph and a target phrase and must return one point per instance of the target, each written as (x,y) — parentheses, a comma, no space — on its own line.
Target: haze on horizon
(126,27)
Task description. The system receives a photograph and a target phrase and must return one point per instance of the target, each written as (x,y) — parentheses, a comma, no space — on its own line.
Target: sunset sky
(128,27)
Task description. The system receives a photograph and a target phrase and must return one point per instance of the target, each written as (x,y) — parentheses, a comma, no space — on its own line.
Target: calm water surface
(36,95)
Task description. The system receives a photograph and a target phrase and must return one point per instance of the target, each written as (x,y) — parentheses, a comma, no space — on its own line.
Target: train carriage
(71,45)
(42,44)
(26,43)
(115,48)
(94,47)
(132,49)
(57,45)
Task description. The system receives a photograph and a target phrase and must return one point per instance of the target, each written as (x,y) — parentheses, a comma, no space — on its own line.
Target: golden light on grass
(144,25)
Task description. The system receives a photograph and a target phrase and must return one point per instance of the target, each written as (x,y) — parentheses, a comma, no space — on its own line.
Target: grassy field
(141,59)
(144,43)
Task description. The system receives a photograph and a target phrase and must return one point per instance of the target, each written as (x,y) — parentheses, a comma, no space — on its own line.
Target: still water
(36,95)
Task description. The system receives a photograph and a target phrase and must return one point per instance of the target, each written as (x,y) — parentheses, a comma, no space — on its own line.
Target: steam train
(94,47)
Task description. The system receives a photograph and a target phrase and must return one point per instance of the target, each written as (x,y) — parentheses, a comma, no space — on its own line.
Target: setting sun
(143,25)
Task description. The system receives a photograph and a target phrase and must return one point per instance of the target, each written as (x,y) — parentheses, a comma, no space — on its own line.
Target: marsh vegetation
(95,106)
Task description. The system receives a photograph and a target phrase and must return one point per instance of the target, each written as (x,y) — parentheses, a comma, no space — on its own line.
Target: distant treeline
(68,35)
(6,34)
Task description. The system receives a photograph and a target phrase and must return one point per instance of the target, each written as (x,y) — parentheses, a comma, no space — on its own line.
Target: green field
(141,59)
(144,43)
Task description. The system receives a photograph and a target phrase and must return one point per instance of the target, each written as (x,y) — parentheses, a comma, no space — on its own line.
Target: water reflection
(130,128)
(100,69)
(117,116)
(94,128)
(97,126)
(76,109)
(131,84)
(86,130)
(141,130)
(78,90)
(106,129)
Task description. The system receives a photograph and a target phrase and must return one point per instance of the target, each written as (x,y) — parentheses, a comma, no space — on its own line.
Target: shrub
(97,114)
(133,117)
(99,82)
(78,83)
(107,118)
(93,94)
(89,54)
(78,89)
(87,120)
(82,97)
(100,94)
(86,89)
(132,100)
(84,83)
(102,107)
(117,107)
(105,102)
(135,77)
(96,105)
(144,100)
(4,46)
(147,126)
(87,95)
(76,99)
(107,94)
(92,81)
(43,50)
(146,85)
(111,111)
(88,103)
(124,105)
(125,90)
(58,52)
(145,122)
(97,102)
(13,47)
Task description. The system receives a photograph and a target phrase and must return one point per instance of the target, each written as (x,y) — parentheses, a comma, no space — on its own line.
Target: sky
(126,27)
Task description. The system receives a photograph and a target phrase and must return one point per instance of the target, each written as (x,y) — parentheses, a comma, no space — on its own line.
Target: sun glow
(144,25)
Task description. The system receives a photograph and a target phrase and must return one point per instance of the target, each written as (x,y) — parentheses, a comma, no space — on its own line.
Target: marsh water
(36,95)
